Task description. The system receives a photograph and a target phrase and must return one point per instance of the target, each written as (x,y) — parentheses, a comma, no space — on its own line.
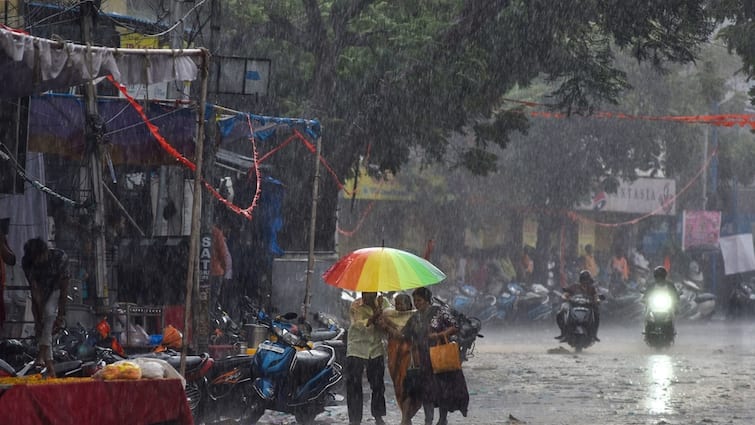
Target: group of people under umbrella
(411,326)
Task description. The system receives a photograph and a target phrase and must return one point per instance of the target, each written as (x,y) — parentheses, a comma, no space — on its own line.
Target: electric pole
(94,129)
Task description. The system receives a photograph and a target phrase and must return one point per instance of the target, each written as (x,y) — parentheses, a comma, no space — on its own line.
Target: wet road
(522,375)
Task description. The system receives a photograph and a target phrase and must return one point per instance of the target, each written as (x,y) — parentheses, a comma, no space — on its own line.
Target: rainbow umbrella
(382,269)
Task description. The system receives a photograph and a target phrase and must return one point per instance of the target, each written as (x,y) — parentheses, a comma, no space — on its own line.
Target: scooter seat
(309,364)
(175,360)
(312,359)
(701,298)
(322,335)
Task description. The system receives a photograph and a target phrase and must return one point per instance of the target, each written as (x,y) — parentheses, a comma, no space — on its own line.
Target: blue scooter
(292,375)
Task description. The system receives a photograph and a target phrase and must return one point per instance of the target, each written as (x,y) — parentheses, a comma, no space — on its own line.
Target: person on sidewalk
(364,351)
(6,257)
(221,269)
(46,269)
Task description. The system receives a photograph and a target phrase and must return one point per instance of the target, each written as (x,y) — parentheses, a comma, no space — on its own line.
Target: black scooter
(579,322)
(469,330)
(742,300)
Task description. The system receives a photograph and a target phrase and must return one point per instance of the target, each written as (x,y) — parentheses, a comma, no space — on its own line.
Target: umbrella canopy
(382,269)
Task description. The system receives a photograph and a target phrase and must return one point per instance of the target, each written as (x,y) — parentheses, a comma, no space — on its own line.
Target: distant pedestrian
(619,267)
(221,269)
(47,271)
(6,257)
(590,264)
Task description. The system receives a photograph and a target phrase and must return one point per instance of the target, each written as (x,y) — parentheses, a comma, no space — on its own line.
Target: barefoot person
(46,270)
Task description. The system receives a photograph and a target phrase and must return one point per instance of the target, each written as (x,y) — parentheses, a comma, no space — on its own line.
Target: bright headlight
(660,301)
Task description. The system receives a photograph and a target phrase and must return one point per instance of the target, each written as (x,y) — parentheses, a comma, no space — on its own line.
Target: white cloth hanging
(31,65)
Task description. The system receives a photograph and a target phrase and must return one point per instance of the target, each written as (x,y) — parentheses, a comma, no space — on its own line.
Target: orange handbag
(445,357)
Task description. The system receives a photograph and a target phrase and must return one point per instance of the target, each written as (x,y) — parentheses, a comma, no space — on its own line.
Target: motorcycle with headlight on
(659,318)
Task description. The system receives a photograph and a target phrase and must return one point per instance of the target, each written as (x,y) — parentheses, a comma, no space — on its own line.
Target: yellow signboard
(138,41)
(386,189)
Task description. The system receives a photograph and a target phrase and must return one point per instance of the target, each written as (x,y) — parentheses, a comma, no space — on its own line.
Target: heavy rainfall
(345,212)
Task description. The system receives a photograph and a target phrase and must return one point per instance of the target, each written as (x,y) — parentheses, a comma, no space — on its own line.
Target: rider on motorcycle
(584,287)
(661,283)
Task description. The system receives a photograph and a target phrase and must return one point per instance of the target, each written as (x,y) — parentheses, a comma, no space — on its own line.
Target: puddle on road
(660,377)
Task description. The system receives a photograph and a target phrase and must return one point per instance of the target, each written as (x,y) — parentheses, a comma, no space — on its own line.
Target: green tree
(397,77)
(739,17)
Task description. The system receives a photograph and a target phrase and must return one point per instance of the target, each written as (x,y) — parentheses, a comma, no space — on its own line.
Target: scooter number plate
(271,347)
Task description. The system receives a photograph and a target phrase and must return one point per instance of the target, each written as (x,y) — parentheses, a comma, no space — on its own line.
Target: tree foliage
(389,79)
(401,75)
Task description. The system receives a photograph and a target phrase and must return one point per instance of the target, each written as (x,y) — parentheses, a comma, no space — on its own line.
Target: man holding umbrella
(369,270)
(364,351)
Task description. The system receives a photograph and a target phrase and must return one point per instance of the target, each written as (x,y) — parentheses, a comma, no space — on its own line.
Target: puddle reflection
(660,374)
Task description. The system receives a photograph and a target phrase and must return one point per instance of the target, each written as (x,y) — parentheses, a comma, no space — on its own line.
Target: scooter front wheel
(305,418)
(306,415)
(255,410)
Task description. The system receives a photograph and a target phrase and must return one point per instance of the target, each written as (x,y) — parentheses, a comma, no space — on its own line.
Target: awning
(56,125)
(34,65)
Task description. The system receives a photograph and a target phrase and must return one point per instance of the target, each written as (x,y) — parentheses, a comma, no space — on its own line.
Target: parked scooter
(470,301)
(225,330)
(469,330)
(199,369)
(742,300)
(224,392)
(292,376)
(694,304)
(21,361)
(533,304)
(659,319)
(331,333)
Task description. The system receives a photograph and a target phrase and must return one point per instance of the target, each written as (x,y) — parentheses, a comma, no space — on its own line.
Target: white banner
(738,253)
(643,196)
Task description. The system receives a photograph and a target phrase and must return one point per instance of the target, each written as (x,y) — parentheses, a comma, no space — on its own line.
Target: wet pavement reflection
(660,376)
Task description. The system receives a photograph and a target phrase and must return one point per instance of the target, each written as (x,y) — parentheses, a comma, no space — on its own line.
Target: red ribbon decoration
(246,213)
(719,120)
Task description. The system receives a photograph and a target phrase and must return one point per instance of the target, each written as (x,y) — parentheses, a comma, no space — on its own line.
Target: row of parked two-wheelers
(523,303)
(520,303)
(289,372)
(295,370)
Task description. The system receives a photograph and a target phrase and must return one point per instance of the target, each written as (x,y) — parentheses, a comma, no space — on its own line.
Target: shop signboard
(641,196)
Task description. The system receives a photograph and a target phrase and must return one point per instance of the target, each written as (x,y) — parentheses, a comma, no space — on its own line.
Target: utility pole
(312,230)
(208,151)
(94,129)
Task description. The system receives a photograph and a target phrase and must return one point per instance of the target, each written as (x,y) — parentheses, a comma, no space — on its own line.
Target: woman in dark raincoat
(430,325)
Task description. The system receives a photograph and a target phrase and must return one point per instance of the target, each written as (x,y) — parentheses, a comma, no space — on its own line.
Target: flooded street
(522,375)
(706,377)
